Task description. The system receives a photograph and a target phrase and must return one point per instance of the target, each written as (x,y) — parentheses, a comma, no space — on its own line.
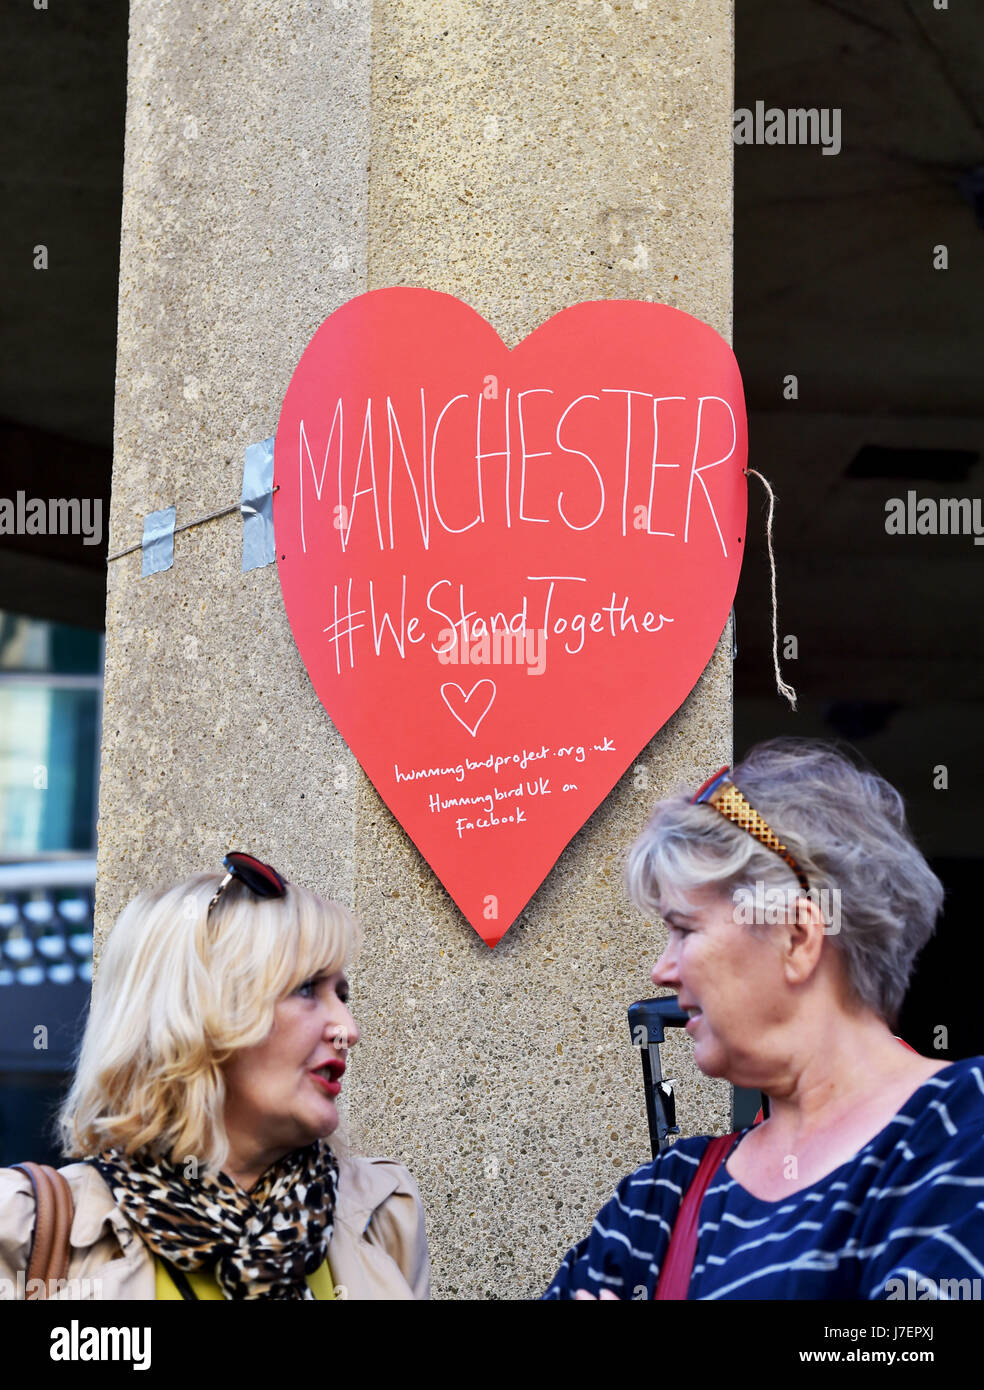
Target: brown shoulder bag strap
(678,1265)
(49,1255)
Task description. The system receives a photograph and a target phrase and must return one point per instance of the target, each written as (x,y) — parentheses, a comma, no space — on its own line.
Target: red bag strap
(674,1277)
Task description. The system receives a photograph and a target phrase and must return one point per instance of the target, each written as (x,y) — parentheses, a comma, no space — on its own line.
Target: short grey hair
(846,827)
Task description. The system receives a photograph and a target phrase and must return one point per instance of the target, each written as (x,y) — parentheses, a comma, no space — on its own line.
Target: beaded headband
(721,793)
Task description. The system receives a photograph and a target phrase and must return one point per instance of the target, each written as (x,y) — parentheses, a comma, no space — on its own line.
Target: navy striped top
(903,1218)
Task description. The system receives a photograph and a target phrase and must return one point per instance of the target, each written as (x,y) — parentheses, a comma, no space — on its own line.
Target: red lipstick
(328,1076)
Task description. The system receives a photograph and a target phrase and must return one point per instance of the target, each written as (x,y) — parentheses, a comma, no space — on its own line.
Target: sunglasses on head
(721,793)
(258,877)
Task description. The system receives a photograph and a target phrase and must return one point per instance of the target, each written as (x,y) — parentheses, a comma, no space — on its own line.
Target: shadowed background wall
(281,159)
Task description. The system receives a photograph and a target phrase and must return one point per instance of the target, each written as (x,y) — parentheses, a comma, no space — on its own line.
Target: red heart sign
(505,570)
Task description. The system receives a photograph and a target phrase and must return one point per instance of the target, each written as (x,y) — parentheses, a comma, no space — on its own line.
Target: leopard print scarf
(261,1243)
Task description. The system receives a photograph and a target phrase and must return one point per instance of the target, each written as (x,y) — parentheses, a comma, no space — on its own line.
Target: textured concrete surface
(281,159)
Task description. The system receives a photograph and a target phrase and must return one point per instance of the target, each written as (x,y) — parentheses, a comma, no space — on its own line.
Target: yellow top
(321,1283)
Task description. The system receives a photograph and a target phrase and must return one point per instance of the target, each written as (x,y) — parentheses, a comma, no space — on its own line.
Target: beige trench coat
(378,1247)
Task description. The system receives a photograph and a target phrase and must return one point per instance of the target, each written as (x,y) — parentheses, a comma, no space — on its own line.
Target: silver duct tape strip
(158,541)
(256,505)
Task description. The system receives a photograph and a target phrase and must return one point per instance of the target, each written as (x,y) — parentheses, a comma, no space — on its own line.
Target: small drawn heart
(451,685)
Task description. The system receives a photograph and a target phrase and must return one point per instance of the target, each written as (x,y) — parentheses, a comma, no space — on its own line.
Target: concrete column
(281,159)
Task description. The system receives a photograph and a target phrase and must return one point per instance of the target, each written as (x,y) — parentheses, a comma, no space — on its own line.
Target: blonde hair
(177,992)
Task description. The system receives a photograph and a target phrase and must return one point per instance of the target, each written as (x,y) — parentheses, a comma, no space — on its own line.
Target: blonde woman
(204,1104)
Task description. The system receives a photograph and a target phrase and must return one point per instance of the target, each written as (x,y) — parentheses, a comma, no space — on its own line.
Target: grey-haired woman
(796,903)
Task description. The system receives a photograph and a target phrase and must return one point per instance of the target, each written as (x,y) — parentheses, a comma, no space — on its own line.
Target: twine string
(781,686)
